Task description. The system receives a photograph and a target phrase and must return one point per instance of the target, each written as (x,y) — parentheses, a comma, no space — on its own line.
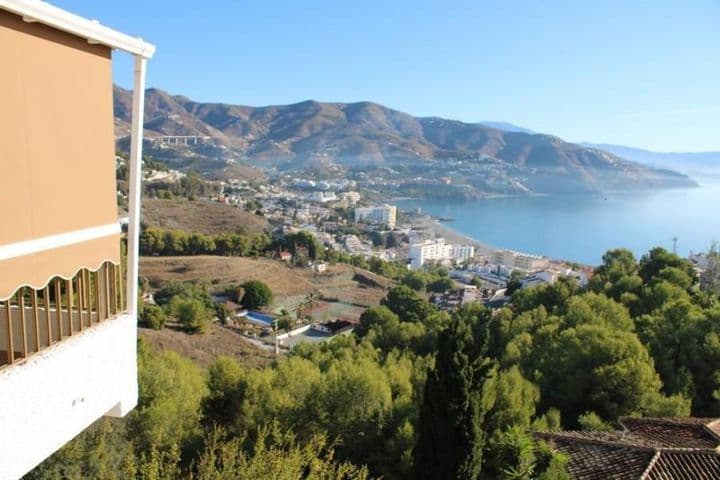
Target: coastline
(426,223)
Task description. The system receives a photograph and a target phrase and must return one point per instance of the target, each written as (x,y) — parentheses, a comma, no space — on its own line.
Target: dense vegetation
(302,245)
(419,393)
(188,302)
(158,241)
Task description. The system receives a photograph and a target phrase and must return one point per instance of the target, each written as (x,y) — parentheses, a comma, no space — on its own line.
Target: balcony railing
(33,320)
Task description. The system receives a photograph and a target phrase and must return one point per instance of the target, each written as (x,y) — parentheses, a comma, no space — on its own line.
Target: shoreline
(427,223)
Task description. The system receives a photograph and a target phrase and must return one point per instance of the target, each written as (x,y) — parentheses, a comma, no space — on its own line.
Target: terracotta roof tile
(671,432)
(596,460)
(649,449)
(699,465)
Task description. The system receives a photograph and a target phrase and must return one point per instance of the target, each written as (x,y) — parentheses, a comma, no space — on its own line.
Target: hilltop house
(68,299)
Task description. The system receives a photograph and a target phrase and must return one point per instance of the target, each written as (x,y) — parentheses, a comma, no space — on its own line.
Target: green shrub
(153,317)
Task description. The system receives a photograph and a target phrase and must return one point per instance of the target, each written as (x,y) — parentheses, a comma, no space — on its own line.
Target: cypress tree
(451,436)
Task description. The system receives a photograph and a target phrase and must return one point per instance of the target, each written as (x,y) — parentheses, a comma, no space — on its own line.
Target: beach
(428,224)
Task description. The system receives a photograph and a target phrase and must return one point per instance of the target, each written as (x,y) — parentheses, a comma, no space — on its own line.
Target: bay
(581,228)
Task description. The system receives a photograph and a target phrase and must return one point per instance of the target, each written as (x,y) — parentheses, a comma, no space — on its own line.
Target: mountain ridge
(686,162)
(365,135)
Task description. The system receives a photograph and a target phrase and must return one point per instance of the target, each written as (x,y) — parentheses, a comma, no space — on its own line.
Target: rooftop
(92,30)
(647,449)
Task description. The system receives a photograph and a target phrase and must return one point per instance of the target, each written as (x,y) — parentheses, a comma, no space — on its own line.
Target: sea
(580,228)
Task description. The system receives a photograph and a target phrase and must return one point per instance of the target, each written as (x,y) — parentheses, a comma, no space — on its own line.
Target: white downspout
(129,398)
(135,186)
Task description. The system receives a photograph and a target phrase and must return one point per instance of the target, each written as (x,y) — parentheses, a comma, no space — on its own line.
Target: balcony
(34,320)
(68,309)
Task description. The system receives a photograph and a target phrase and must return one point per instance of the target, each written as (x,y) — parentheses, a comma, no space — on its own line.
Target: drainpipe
(135,185)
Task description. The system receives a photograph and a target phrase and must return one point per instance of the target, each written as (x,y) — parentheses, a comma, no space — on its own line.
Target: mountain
(694,163)
(365,138)
(506,126)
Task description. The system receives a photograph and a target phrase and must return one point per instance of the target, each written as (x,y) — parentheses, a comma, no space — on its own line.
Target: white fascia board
(93,31)
(37,245)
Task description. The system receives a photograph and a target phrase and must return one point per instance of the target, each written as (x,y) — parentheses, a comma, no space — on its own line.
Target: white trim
(135,184)
(36,245)
(38,11)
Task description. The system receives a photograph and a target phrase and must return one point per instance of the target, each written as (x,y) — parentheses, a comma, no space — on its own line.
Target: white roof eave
(92,30)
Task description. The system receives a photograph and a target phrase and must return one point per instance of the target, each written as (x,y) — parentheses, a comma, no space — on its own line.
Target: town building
(461,253)
(454,299)
(539,278)
(335,327)
(551,275)
(438,251)
(382,214)
(68,299)
(349,198)
(522,261)
(321,196)
(319,267)
(647,449)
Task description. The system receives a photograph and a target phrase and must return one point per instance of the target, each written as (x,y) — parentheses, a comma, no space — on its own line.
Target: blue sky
(638,73)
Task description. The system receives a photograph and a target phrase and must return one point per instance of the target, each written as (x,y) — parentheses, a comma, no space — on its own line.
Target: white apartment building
(68,299)
(382,214)
(438,251)
(350,198)
(519,260)
(321,196)
(461,253)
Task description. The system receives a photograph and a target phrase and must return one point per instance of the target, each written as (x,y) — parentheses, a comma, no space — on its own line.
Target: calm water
(582,227)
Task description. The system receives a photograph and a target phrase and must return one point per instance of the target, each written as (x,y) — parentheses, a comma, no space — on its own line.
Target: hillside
(686,162)
(344,136)
(201,216)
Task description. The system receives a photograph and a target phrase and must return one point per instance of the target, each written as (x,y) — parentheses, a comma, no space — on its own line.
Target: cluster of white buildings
(380,214)
(439,251)
(519,260)
(324,185)
(551,275)
(321,196)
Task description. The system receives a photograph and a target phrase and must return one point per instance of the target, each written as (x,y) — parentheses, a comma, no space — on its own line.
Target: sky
(637,73)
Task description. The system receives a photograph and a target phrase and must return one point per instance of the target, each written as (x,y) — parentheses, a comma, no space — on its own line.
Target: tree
(451,435)
(285,322)
(171,389)
(152,316)
(524,458)
(257,294)
(381,315)
(652,263)
(595,367)
(194,290)
(415,280)
(191,313)
(441,285)
(311,301)
(299,310)
(222,312)
(591,421)
(407,304)
(274,454)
